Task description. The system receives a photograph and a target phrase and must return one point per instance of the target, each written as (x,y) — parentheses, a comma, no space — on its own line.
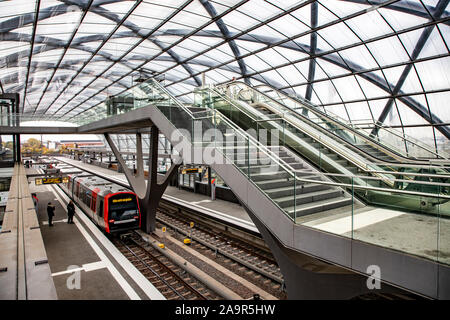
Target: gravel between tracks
(211,271)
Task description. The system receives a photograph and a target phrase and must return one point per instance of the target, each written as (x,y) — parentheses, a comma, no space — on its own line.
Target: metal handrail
(271,154)
(351,127)
(222,117)
(327,174)
(347,123)
(403,137)
(376,172)
(392,179)
(318,127)
(344,154)
(162,88)
(346,185)
(311,108)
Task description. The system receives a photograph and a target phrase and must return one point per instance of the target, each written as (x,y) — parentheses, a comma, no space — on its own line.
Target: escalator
(291,184)
(361,163)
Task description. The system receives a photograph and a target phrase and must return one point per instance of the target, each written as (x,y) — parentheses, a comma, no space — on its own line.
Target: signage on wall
(191,170)
(3,198)
(52,180)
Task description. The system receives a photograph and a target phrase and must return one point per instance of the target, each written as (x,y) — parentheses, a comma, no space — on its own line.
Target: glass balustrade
(410,204)
(355,133)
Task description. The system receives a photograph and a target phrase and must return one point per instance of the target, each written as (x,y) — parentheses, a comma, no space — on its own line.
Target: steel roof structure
(373,60)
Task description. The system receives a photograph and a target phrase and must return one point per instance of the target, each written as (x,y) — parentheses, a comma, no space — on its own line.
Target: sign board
(122,200)
(3,198)
(191,170)
(51,180)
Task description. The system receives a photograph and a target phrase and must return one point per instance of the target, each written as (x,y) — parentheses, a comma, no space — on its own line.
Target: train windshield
(123,207)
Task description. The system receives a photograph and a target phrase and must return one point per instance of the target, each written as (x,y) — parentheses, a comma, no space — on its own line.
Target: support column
(307,277)
(16,148)
(149,192)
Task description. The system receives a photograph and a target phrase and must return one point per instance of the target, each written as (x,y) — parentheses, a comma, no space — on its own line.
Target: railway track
(252,263)
(169,279)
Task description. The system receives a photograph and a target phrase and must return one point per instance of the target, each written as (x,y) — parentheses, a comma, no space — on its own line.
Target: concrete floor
(423,235)
(66,247)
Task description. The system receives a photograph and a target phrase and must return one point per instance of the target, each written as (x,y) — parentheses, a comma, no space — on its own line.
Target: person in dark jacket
(50,213)
(70,212)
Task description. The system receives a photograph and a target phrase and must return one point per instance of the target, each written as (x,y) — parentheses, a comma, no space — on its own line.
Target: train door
(100,212)
(72,188)
(87,200)
(93,205)
(77,189)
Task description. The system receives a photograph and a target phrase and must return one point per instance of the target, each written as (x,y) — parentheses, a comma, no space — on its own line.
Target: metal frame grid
(374,60)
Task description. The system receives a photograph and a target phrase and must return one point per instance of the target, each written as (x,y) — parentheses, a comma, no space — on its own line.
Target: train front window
(123,207)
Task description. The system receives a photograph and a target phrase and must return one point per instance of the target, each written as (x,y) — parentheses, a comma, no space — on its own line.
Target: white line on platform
(201,201)
(361,220)
(86,267)
(54,221)
(112,269)
(134,273)
(114,272)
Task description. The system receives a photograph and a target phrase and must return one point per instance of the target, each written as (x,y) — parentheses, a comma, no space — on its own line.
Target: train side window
(100,211)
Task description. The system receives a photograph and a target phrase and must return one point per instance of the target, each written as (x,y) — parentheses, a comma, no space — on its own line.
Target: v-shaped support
(149,192)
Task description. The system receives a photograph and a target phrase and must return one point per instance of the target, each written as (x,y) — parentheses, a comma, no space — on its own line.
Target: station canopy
(385,61)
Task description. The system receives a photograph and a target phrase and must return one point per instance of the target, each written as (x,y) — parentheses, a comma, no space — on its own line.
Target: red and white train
(113,208)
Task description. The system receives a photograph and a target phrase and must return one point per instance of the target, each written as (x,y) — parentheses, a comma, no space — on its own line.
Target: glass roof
(372,60)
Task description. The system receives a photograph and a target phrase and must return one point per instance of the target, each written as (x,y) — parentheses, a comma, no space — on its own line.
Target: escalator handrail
(345,126)
(258,144)
(316,126)
(359,164)
(164,90)
(351,127)
(368,170)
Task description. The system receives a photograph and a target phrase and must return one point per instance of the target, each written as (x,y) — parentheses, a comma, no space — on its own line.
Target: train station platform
(228,211)
(84,264)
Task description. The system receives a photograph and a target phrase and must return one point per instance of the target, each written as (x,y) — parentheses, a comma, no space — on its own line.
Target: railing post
(248,157)
(295,197)
(353,206)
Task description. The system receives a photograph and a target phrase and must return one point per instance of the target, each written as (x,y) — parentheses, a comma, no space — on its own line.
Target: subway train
(111,207)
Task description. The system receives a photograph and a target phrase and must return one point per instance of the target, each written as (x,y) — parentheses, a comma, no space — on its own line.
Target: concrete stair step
(318,206)
(299,189)
(256,168)
(280,183)
(270,176)
(315,196)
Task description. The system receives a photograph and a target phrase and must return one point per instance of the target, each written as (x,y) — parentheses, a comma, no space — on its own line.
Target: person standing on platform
(70,212)
(50,213)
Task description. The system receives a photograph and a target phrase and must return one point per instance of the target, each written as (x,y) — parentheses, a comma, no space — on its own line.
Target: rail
(336,120)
